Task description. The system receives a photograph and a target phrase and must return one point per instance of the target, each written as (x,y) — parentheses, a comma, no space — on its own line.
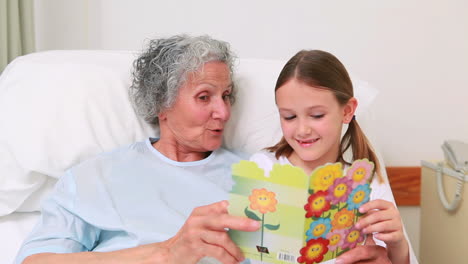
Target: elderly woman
(136,204)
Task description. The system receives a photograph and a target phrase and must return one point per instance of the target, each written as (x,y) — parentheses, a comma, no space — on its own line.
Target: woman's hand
(204,234)
(382,219)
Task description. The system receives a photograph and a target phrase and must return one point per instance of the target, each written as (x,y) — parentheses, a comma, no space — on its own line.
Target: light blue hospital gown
(125,198)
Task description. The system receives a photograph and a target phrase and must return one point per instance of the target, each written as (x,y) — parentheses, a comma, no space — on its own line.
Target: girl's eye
(289,117)
(318,116)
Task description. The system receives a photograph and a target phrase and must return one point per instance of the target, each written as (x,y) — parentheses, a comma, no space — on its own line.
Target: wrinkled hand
(204,234)
(383,218)
(368,253)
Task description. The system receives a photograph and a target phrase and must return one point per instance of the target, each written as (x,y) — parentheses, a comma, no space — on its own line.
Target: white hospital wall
(414,52)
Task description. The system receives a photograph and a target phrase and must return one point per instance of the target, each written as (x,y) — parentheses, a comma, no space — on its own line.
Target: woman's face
(311,120)
(196,121)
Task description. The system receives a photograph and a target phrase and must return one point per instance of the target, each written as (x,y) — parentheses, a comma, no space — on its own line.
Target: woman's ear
(162,116)
(349,109)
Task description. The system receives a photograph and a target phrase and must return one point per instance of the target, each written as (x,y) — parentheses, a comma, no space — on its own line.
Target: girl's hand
(368,253)
(382,219)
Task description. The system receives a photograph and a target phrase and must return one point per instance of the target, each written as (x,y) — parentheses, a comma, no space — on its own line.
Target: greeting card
(304,219)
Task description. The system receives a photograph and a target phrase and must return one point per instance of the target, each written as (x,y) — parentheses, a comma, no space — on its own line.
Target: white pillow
(58,108)
(254,120)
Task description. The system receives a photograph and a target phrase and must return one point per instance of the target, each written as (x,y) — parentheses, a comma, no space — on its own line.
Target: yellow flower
(263,200)
(323,177)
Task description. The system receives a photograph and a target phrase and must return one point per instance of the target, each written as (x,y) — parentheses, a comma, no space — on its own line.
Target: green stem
(261,244)
(344,205)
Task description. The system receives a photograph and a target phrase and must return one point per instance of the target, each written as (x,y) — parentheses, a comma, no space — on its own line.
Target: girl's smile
(307,143)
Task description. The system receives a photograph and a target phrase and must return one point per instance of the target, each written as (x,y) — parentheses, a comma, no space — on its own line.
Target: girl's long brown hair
(321,69)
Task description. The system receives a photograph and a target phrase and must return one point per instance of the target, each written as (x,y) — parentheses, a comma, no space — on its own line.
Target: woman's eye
(318,116)
(203,97)
(227,97)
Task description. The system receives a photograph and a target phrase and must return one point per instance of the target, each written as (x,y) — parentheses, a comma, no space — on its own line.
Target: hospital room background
(414,53)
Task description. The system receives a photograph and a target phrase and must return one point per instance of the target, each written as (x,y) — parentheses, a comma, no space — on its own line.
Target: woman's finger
(192,253)
(204,233)
(222,240)
(220,207)
(220,254)
(195,243)
(221,222)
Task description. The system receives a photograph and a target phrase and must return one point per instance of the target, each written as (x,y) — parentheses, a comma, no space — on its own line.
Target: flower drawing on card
(304,218)
(314,251)
(359,196)
(324,176)
(336,239)
(343,219)
(317,204)
(340,190)
(352,237)
(263,201)
(360,172)
(319,228)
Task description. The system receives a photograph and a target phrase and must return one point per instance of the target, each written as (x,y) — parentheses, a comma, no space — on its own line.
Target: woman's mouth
(217,131)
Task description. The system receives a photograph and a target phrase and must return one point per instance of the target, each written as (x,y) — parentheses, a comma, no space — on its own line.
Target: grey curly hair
(162,68)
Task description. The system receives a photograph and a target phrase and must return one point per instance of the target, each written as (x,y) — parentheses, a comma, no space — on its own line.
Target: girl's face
(311,120)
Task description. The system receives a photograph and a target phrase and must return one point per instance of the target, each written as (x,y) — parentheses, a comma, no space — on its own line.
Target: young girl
(314,96)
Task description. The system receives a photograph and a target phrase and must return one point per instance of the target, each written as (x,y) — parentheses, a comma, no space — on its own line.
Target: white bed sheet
(13,230)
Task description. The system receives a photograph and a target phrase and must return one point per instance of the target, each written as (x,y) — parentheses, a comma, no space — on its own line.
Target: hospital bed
(58,108)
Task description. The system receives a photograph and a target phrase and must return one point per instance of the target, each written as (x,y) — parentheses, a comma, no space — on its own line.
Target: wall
(414,52)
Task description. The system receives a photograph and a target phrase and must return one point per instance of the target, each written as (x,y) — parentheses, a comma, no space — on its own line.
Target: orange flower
(342,219)
(263,200)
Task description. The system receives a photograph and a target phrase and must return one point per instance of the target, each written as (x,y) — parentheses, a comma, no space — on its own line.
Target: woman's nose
(221,110)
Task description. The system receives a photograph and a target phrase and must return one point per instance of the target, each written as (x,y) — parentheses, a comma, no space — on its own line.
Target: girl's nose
(304,128)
